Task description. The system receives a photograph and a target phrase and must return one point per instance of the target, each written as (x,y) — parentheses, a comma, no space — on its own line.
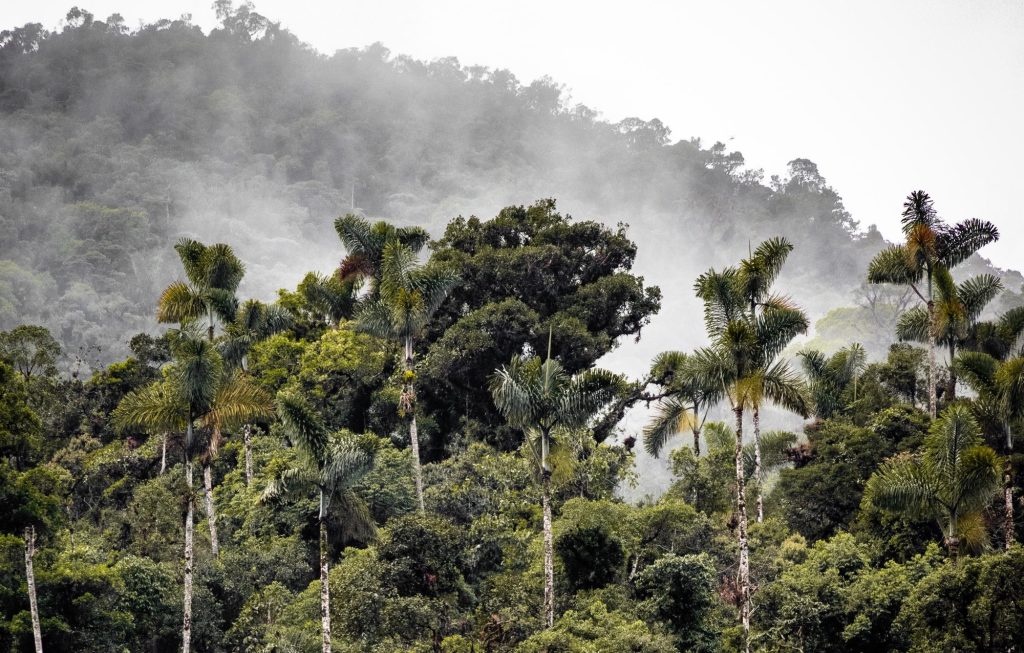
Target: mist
(115,142)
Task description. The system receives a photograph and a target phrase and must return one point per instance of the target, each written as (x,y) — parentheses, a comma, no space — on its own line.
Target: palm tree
(957,309)
(253,323)
(366,243)
(543,400)
(830,377)
(174,405)
(773,381)
(930,246)
(407,297)
(952,480)
(999,386)
(213,273)
(688,392)
(330,463)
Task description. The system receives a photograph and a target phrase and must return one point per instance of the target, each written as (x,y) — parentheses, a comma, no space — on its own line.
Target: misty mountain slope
(114,143)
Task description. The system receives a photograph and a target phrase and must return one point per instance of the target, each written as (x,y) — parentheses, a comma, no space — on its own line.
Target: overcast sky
(885,97)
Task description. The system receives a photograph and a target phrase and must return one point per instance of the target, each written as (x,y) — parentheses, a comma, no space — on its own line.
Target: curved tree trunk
(758,469)
(743,572)
(30,577)
(549,554)
(186,628)
(325,587)
(211,511)
(247,441)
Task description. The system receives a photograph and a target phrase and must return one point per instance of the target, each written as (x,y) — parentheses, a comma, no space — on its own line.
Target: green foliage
(679,591)
(20,427)
(591,557)
(596,628)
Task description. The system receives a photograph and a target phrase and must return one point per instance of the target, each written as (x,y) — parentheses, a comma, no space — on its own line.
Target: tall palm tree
(543,400)
(999,386)
(688,392)
(952,480)
(366,243)
(253,323)
(829,378)
(329,463)
(213,273)
(957,309)
(407,297)
(773,381)
(930,246)
(174,405)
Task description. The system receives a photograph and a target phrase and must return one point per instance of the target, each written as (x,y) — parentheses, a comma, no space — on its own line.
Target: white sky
(885,97)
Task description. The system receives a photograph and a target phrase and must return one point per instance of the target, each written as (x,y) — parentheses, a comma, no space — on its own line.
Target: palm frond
(894,265)
(155,408)
(302,424)
(672,417)
(960,241)
(179,303)
(976,293)
(913,325)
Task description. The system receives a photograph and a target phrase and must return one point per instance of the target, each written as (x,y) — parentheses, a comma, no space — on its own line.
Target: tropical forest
(360,353)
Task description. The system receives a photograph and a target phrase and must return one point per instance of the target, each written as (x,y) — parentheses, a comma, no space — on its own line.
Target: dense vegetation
(418,450)
(416,456)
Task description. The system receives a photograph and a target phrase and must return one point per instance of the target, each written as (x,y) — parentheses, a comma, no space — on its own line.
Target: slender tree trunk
(932,398)
(414,441)
(325,587)
(743,573)
(1008,521)
(951,387)
(758,470)
(186,628)
(953,541)
(416,470)
(30,576)
(696,442)
(247,441)
(211,510)
(163,455)
(549,553)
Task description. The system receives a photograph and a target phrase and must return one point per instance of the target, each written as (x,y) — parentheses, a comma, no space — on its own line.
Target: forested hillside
(238,414)
(115,142)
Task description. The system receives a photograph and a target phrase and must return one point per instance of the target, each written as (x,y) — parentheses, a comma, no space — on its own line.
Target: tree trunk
(211,511)
(163,455)
(549,553)
(247,441)
(951,386)
(758,470)
(696,442)
(416,470)
(186,628)
(414,441)
(932,398)
(743,573)
(1008,521)
(325,587)
(30,577)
